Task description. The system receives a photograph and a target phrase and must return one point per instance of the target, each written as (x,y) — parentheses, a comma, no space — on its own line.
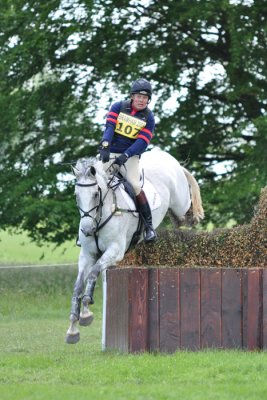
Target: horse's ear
(93,170)
(75,171)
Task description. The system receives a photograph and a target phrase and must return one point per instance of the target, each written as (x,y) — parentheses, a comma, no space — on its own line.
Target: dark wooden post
(211,308)
(138,310)
(190,308)
(127,307)
(232,308)
(252,309)
(153,310)
(169,327)
(264,309)
(117,312)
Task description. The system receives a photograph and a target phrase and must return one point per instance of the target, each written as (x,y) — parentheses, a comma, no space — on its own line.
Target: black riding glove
(121,159)
(104,154)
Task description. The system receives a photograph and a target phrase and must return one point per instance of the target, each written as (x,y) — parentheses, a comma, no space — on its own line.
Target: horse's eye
(96,195)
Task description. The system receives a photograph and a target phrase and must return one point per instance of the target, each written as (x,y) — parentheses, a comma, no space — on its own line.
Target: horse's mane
(83,164)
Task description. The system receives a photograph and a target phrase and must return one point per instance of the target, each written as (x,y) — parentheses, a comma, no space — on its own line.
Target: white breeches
(130,170)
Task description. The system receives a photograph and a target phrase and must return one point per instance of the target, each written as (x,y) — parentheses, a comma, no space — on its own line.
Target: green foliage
(242,246)
(58,59)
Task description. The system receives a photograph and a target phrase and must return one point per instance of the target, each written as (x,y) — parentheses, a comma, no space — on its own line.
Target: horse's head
(89,193)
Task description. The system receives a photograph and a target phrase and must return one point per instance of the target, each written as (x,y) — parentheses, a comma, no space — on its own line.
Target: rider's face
(140,101)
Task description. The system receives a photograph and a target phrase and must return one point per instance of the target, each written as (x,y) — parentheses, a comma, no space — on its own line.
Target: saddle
(127,191)
(129,196)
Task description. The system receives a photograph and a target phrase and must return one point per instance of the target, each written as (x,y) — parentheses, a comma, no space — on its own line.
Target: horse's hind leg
(176,221)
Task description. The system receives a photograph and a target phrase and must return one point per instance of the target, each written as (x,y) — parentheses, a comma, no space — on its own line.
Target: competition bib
(129,126)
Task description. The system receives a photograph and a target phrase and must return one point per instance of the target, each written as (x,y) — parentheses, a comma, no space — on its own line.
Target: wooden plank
(210,308)
(254,309)
(169,310)
(153,309)
(264,309)
(232,308)
(245,308)
(117,312)
(190,308)
(138,310)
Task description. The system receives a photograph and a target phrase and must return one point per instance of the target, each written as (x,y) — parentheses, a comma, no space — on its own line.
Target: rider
(129,128)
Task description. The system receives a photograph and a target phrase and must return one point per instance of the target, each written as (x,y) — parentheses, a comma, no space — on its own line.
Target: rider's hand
(121,159)
(104,155)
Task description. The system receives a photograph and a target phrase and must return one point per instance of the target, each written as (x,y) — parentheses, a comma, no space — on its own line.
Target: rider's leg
(130,170)
(144,209)
(133,176)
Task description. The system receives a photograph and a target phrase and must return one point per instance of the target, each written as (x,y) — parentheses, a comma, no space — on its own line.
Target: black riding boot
(144,209)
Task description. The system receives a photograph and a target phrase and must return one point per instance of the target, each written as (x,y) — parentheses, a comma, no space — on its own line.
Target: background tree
(59,58)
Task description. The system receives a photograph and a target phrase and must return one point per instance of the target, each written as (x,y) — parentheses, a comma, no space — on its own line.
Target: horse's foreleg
(76,299)
(112,255)
(86,316)
(73,334)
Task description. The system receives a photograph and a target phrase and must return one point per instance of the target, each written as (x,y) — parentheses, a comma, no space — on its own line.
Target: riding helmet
(142,86)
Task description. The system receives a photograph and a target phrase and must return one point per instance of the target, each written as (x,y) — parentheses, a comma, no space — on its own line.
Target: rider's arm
(111,121)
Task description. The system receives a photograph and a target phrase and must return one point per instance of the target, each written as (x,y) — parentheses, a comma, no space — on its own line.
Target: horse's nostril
(86,233)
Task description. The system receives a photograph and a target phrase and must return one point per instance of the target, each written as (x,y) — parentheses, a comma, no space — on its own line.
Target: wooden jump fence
(167,309)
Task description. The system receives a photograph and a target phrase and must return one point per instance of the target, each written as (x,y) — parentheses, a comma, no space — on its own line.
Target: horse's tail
(197,209)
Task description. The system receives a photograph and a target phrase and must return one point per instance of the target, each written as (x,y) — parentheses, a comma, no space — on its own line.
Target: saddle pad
(152,196)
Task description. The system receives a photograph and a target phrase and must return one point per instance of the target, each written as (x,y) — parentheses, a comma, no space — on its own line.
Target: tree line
(63,62)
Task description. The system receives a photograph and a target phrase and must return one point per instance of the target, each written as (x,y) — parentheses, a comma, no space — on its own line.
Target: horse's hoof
(86,319)
(72,338)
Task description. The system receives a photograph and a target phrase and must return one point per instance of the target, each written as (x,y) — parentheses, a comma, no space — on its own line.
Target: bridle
(97,207)
(111,186)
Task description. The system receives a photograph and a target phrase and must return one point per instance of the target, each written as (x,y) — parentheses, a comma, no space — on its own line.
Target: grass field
(19,249)
(36,364)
